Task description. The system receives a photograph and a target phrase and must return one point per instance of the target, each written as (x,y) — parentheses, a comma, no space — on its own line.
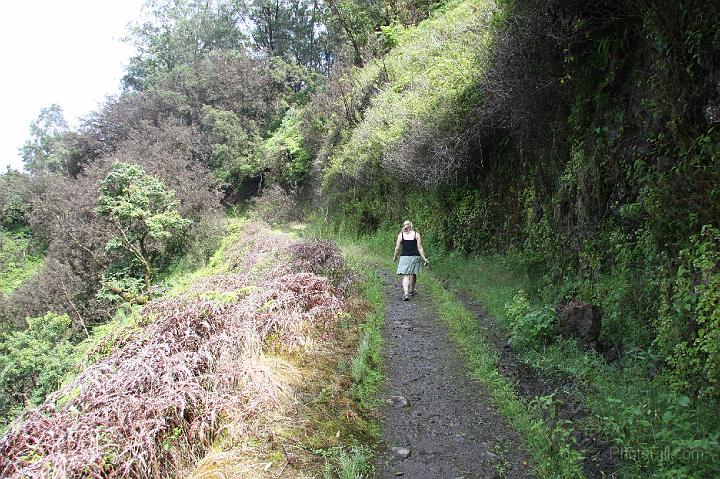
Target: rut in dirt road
(438,422)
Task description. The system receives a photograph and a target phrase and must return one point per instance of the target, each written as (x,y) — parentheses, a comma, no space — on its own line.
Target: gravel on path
(438,422)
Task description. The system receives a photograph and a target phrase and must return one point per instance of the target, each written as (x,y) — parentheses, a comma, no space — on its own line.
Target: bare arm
(420,248)
(398,243)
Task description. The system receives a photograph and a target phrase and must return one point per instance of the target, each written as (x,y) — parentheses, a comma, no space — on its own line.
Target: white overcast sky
(67,52)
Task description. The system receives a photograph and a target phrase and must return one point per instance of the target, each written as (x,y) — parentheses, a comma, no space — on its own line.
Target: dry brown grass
(314,412)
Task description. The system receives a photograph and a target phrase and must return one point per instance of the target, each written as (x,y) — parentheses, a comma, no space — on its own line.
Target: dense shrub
(530,327)
(285,155)
(33,362)
(232,154)
(144,217)
(689,321)
(16,193)
(18,259)
(276,206)
(322,257)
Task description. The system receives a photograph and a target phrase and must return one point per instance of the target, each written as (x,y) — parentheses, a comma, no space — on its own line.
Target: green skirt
(409,265)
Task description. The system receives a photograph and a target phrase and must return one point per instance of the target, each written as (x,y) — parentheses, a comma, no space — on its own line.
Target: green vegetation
(357,460)
(18,261)
(366,366)
(656,431)
(577,192)
(548,151)
(232,147)
(180,276)
(695,304)
(427,78)
(528,326)
(36,361)
(105,338)
(589,206)
(285,153)
(551,447)
(355,463)
(46,150)
(33,363)
(549,442)
(145,217)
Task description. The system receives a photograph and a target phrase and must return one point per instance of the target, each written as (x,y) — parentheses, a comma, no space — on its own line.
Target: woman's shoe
(406,297)
(413,292)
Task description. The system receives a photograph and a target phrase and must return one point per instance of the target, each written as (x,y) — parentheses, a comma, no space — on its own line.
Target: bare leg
(406,283)
(413,280)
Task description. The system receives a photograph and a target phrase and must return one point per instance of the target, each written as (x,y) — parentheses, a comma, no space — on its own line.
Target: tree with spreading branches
(144,214)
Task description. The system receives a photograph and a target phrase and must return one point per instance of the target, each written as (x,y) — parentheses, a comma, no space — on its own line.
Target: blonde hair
(409,223)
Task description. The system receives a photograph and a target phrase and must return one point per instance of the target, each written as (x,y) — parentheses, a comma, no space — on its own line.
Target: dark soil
(600,461)
(448,426)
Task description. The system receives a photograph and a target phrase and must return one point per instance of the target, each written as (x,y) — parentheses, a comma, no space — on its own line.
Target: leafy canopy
(284,152)
(232,144)
(46,150)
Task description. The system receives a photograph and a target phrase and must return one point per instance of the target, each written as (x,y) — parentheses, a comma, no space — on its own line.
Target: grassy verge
(357,460)
(367,364)
(550,448)
(330,430)
(656,432)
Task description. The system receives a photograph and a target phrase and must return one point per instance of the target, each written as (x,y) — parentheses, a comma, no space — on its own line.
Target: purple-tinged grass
(198,371)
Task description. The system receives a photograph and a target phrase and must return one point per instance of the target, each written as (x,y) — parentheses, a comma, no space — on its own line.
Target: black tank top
(409,247)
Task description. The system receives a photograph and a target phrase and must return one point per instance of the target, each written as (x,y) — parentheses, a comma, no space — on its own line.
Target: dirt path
(437,416)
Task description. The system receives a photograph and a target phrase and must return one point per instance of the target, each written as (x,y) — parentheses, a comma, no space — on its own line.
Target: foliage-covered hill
(549,128)
(567,149)
(548,131)
(215,361)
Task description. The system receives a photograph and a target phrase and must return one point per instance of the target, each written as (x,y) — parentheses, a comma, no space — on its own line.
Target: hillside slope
(572,150)
(550,152)
(237,364)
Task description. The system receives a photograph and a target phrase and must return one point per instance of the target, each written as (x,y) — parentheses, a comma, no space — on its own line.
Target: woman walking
(409,265)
